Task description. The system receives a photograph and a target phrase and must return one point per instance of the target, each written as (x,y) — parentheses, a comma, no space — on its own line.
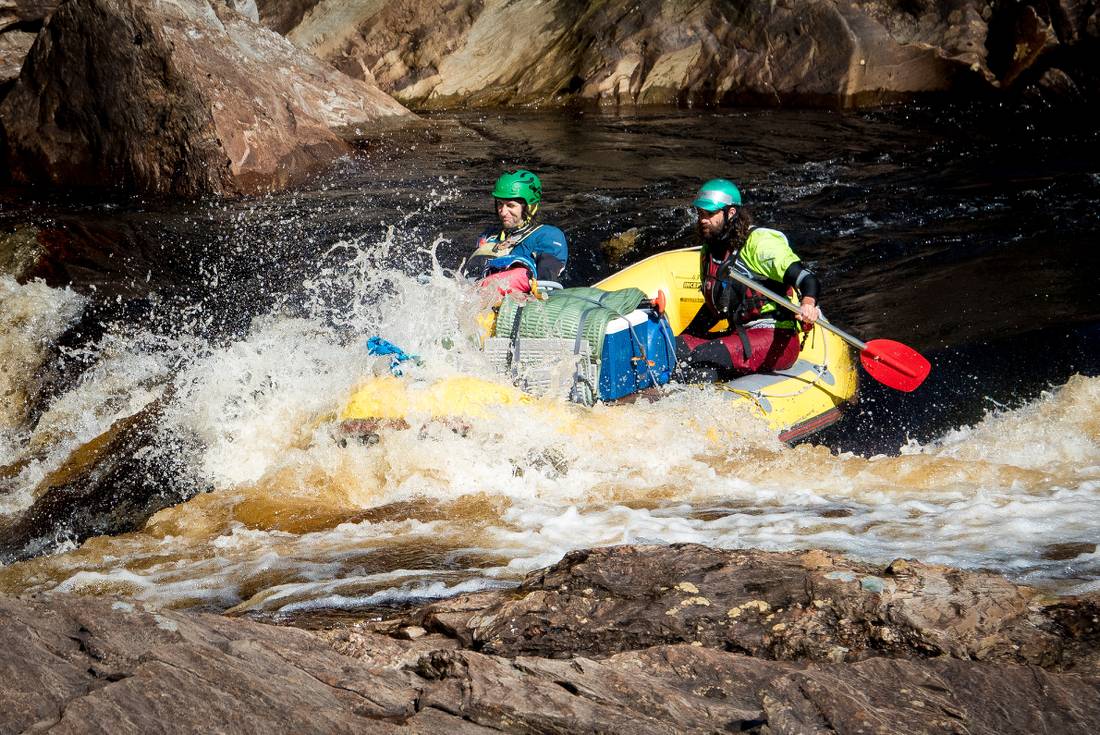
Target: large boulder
(187,97)
(846,52)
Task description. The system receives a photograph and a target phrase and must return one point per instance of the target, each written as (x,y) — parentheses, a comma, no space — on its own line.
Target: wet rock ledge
(627,639)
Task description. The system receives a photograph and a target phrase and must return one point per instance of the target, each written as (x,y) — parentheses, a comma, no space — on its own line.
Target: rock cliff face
(282,15)
(680,639)
(195,96)
(186,97)
(846,52)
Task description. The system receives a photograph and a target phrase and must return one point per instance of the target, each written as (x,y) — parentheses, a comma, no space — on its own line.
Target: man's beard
(516,228)
(720,238)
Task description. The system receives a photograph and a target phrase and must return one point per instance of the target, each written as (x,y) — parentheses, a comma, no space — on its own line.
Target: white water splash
(296,521)
(32,316)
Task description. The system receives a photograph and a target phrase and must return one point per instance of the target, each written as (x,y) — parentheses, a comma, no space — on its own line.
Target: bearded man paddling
(761,336)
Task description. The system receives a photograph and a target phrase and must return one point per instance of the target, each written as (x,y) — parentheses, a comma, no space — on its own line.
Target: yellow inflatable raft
(795,402)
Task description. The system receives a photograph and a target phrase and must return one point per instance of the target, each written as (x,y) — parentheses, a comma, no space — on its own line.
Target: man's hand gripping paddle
(890,363)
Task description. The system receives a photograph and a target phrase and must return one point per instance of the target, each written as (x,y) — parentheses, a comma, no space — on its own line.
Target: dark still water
(205,348)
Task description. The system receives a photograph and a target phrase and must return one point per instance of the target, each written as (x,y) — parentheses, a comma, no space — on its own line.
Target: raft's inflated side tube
(795,402)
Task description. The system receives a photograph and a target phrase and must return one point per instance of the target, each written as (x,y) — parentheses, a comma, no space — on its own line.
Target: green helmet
(717,194)
(519,184)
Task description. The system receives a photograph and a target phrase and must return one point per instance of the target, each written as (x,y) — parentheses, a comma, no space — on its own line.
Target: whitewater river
(195,365)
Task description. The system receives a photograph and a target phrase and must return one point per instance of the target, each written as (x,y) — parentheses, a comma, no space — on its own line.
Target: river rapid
(190,358)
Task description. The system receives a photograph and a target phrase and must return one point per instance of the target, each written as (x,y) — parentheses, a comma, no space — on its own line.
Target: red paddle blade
(894,364)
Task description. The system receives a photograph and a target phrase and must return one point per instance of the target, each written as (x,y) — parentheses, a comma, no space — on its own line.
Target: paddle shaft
(854,342)
(791,306)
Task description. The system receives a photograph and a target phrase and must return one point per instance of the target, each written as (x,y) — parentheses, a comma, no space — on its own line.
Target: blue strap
(378,346)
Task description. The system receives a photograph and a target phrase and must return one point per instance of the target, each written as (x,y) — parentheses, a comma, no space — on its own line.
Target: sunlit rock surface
(20,20)
(94,664)
(186,97)
(494,52)
(13,48)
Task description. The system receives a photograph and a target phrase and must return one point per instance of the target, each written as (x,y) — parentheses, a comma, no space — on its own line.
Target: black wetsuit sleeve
(702,323)
(549,267)
(803,280)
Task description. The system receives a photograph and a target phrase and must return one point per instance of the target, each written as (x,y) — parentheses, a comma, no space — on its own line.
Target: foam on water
(445,510)
(296,520)
(127,374)
(31,316)
(415,592)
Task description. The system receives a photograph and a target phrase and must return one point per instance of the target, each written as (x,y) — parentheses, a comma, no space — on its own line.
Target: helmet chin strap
(727,226)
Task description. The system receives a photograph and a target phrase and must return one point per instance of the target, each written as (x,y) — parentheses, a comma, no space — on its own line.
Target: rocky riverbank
(625,639)
(228,97)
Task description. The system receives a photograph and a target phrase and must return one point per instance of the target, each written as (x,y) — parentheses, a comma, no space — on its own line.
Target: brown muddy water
(170,384)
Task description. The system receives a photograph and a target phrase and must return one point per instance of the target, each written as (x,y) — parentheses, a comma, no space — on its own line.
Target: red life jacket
(730,300)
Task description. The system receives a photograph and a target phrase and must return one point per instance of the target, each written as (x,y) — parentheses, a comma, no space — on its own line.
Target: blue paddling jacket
(541,249)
